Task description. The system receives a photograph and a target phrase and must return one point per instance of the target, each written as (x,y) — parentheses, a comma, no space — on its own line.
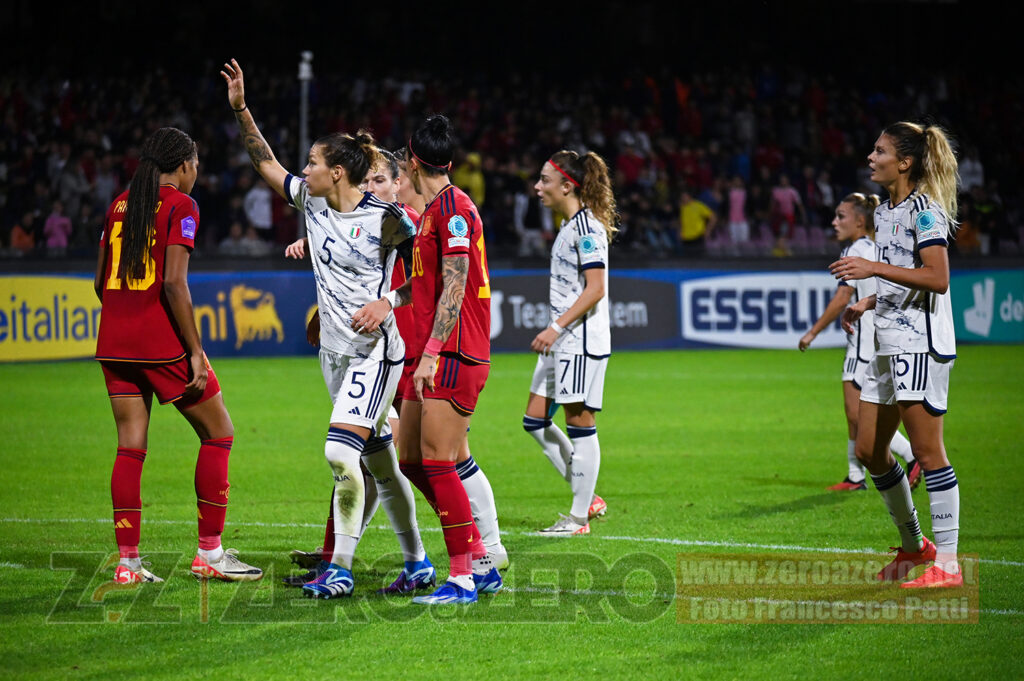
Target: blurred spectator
(72,185)
(253,246)
(786,204)
(57,230)
(25,235)
(234,243)
(972,173)
(532,221)
(696,221)
(739,226)
(258,206)
(469,178)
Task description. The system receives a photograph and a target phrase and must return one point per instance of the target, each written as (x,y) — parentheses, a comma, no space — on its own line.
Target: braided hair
(163,152)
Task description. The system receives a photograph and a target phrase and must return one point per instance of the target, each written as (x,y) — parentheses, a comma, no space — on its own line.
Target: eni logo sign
(47,318)
(253,314)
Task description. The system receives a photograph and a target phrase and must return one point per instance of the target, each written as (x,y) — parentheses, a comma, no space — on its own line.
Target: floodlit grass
(716,455)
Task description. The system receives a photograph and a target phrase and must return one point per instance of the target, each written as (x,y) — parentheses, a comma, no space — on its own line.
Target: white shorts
(915,377)
(361,389)
(568,378)
(854,368)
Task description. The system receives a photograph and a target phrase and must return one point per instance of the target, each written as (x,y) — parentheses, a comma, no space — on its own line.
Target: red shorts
(167,381)
(407,371)
(456,380)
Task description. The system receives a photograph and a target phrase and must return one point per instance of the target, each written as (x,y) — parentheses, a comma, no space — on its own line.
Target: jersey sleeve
(931,227)
(295,191)
(592,250)
(184,222)
(453,233)
(397,226)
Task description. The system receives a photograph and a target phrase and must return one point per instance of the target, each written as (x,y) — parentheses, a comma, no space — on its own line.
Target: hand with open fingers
(296,249)
(544,340)
(852,267)
(369,317)
(200,374)
(232,74)
(423,377)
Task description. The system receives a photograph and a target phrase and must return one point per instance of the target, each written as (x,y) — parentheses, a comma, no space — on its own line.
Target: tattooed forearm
(255,144)
(455,271)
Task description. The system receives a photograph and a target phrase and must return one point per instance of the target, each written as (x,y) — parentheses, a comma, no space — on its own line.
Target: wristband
(392,298)
(244,107)
(558,329)
(433,347)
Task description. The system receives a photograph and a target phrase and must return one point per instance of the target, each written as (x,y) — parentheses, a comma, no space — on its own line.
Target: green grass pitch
(710,454)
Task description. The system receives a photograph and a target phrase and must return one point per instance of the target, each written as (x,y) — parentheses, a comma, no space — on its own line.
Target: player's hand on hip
(232,74)
(200,374)
(544,340)
(423,377)
(369,317)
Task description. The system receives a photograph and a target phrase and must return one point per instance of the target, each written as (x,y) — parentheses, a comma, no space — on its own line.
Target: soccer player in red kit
(148,344)
(450,294)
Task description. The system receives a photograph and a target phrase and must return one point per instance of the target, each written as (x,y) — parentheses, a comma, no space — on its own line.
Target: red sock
(454,512)
(212,490)
(328,551)
(126,495)
(415,474)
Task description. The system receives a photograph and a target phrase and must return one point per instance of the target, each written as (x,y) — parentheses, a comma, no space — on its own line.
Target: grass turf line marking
(639,540)
(11,566)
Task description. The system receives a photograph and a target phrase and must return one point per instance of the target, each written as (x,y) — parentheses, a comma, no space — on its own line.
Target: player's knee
(532,423)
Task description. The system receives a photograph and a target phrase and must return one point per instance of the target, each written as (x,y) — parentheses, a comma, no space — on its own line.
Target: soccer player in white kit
(352,238)
(574,349)
(854,226)
(915,346)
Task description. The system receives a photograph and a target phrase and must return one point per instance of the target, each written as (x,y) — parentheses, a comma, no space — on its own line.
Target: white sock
(370,501)
(856,469)
(944,502)
(465,581)
(555,444)
(481,566)
(895,491)
(342,451)
(481,500)
(395,494)
(900,446)
(586,462)
(209,555)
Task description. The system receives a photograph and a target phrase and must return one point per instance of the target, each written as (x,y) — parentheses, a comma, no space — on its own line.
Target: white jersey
(353,255)
(909,320)
(581,244)
(861,343)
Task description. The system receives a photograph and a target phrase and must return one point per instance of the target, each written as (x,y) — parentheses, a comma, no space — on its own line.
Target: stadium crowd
(738,161)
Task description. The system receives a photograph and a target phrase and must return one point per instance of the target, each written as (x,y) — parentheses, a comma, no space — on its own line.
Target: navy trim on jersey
(593,265)
(928,328)
(932,242)
(593,356)
(288,190)
(169,216)
(365,200)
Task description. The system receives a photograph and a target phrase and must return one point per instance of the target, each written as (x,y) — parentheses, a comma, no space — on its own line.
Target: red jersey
(451,226)
(136,323)
(403,315)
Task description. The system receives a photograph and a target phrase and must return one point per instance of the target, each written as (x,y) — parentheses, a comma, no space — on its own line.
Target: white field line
(620,594)
(638,540)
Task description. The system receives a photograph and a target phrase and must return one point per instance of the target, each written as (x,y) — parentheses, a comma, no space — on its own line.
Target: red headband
(567,176)
(445,167)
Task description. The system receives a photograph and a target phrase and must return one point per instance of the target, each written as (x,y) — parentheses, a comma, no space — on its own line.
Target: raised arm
(259,151)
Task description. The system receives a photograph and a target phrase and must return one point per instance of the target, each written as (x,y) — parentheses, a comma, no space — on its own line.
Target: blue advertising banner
(265,313)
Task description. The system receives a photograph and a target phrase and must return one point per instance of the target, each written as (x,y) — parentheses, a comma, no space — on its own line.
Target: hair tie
(567,176)
(447,166)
